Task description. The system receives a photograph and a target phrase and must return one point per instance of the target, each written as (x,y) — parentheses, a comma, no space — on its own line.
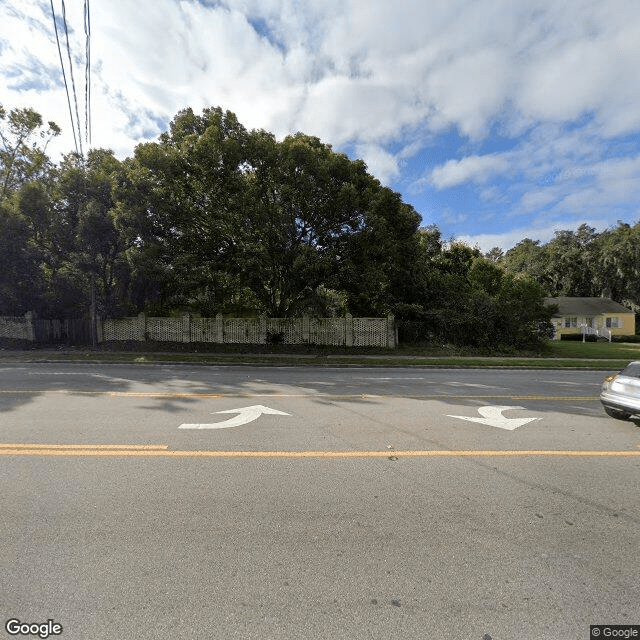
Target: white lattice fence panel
(321,331)
(16,328)
(290,328)
(327,331)
(164,329)
(243,331)
(370,332)
(121,329)
(206,330)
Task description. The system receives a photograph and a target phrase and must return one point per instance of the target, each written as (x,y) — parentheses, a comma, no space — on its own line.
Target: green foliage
(583,263)
(212,218)
(20,278)
(468,300)
(22,159)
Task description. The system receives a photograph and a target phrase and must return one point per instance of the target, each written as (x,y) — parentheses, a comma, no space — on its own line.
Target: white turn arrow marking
(493,417)
(246,414)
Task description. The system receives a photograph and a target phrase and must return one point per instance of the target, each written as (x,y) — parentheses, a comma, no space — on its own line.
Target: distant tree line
(581,263)
(212,218)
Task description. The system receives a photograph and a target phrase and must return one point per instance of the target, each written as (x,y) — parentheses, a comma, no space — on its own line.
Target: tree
(184,196)
(571,262)
(243,222)
(378,257)
(495,255)
(25,180)
(22,158)
(486,276)
(617,271)
(527,258)
(20,277)
(301,204)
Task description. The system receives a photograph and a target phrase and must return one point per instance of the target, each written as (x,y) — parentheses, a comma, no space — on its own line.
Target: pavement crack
(615,513)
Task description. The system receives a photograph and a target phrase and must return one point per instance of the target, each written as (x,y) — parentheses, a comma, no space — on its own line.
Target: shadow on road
(175,388)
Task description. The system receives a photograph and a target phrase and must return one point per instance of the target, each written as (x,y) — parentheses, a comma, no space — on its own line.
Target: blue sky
(496,119)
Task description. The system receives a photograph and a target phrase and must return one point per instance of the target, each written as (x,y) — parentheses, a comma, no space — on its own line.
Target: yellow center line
(141,447)
(162,451)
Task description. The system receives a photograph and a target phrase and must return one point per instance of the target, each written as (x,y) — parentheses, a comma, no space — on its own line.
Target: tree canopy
(213,218)
(583,263)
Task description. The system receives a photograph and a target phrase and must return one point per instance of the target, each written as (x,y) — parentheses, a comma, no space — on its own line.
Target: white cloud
(537,199)
(509,239)
(454,217)
(379,162)
(493,194)
(470,169)
(368,74)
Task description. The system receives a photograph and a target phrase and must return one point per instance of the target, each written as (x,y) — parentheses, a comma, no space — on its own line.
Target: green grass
(561,354)
(329,360)
(616,350)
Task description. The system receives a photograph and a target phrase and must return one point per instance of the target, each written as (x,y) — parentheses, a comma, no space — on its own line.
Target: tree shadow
(177,388)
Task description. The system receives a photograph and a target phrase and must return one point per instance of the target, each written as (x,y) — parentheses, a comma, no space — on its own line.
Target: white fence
(349,331)
(17,328)
(599,332)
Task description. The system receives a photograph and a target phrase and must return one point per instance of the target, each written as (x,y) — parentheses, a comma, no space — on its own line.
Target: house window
(613,323)
(570,322)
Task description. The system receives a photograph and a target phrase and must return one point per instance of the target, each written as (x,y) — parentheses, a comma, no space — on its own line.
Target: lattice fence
(16,328)
(379,332)
(123,329)
(166,329)
(331,331)
(242,331)
(207,330)
(370,332)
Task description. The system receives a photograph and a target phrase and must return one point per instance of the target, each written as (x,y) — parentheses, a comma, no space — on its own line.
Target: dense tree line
(212,218)
(581,263)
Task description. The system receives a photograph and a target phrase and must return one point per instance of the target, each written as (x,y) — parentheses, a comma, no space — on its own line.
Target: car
(620,395)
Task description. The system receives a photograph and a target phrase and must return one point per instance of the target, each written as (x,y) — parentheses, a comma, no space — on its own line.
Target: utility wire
(87,74)
(64,76)
(73,84)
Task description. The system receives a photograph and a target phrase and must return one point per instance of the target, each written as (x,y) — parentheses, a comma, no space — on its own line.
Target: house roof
(576,306)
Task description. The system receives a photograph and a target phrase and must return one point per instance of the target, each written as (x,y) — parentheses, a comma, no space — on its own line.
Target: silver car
(620,394)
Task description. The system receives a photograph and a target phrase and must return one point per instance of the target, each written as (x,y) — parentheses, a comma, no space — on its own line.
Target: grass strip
(329,360)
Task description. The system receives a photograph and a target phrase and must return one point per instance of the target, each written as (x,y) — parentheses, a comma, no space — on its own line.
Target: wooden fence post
(186,327)
(348,330)
(29,321)
(263,329)
(142,326)
(305,329)
(219,332)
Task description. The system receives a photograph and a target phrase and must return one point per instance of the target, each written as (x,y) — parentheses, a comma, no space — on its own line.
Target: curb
(334,365)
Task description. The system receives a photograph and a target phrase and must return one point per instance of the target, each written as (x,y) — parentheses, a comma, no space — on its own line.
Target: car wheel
(617,414)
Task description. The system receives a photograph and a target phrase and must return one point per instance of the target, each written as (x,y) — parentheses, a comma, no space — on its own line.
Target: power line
(64,76)
(73,84)
(87,74)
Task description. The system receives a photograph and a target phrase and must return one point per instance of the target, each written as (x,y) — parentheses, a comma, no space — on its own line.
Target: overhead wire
(73,84)
(87,74)
(64,77)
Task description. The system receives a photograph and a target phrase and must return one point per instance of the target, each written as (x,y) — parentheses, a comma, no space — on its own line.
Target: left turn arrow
(492,417)
(245,415)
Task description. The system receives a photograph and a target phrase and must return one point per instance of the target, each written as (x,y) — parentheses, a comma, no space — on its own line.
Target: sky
(498,120)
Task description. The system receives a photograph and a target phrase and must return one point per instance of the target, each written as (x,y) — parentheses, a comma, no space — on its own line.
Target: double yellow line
(162,451)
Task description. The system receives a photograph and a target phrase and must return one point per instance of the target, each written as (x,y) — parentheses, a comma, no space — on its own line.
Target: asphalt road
(370,506)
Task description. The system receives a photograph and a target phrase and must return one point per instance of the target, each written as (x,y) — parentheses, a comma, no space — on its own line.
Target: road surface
(178,501)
